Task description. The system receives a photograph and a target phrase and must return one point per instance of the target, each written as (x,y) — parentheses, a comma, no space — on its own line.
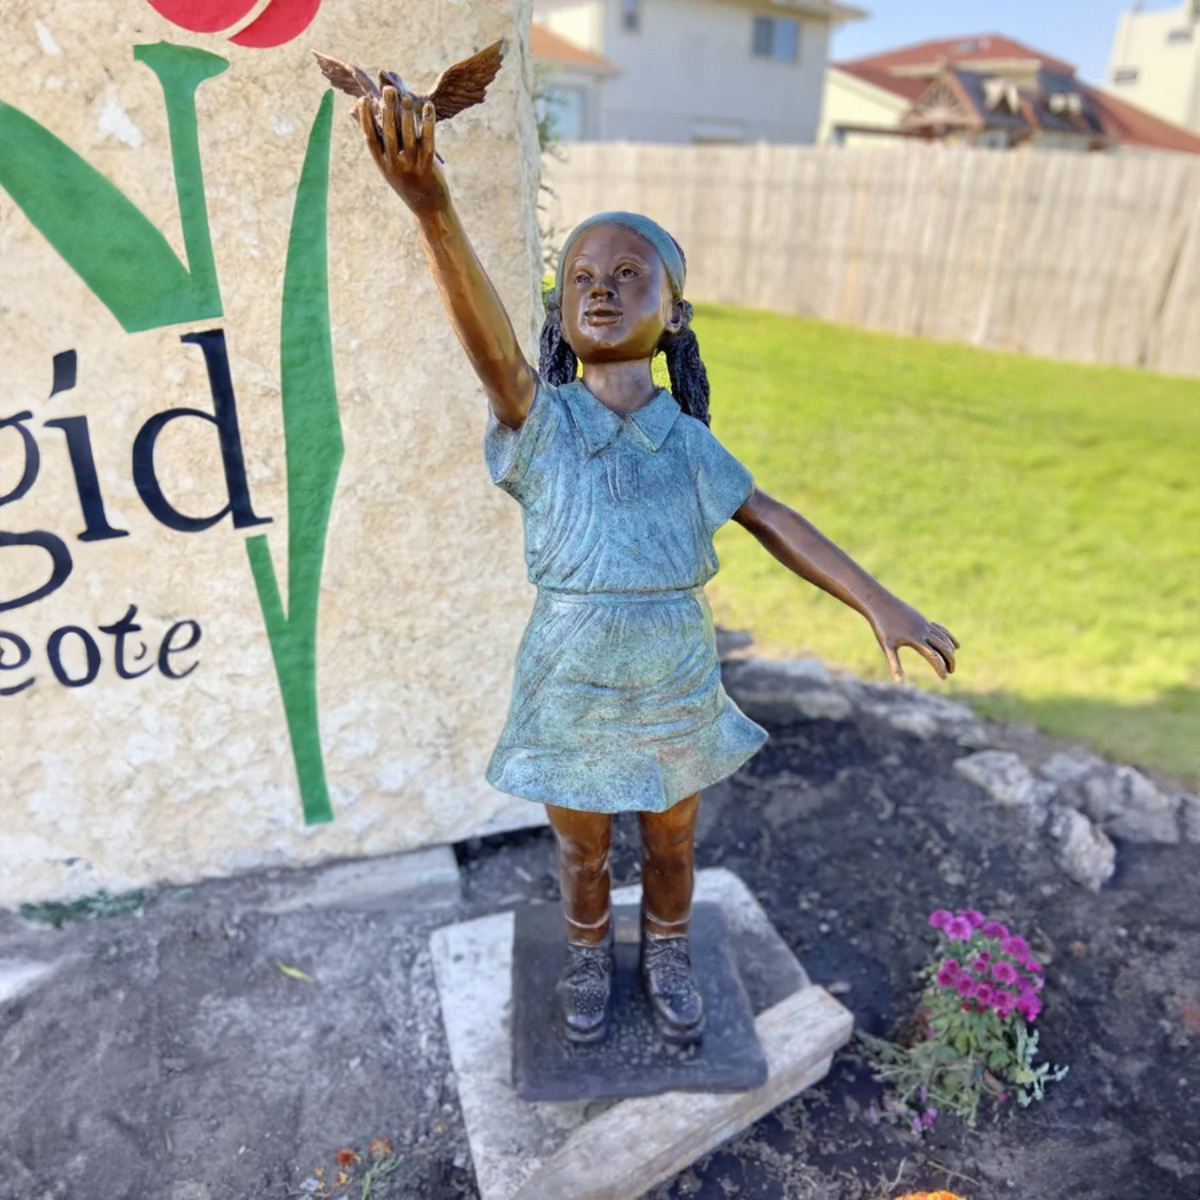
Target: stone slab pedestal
(568,1150)
(633,1059)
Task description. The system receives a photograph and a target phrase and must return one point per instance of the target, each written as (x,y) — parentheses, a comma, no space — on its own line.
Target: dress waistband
(559,596)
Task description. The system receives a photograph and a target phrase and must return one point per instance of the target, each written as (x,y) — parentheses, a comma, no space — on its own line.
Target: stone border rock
(1080,800)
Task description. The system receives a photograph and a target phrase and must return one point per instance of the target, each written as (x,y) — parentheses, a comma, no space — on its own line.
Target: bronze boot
(675,1000)
(583,994)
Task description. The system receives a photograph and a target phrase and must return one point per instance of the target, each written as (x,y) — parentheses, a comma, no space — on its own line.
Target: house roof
(973,50)
(908,86)
(963,63)
(549,47)
(1136,127)
(846,12)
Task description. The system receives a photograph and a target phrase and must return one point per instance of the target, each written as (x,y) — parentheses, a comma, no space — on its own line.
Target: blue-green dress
(617,703)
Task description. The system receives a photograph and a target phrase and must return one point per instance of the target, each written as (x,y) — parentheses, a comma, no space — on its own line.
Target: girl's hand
(403,151)
(897,624)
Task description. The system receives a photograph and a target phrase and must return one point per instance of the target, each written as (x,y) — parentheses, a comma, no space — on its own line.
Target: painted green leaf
(312,432)
(103,236)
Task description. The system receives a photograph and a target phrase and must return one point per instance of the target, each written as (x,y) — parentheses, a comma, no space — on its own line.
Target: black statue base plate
(633,1059)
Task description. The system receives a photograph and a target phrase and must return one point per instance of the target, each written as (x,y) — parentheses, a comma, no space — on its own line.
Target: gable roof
(961,64)
(549,47)
(908,86)
(1136,127)
(973,50)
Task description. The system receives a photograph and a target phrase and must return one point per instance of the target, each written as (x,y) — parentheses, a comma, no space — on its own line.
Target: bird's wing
(390,77)
(346,78)
(466,83)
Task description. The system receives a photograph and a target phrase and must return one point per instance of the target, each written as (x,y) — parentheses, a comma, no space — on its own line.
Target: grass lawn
(1048,514)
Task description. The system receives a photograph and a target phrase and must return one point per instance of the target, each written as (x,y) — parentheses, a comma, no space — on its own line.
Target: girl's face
(616,297)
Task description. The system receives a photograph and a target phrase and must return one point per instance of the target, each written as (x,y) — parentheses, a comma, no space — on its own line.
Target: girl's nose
(602,286)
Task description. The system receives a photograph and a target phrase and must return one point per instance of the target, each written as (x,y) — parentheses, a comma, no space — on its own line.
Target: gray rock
(1085,852)
(910,710)
(976,737)
(1122,799)
(802,683)
(799,670)
(822,704)
(1189,813)
(1008,781)
(1072,766)
(1129,806)
(918,722)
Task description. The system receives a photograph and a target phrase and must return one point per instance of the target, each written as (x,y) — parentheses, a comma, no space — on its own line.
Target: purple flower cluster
(995,969)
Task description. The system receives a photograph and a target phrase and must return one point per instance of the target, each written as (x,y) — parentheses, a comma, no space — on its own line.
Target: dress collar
(600,426)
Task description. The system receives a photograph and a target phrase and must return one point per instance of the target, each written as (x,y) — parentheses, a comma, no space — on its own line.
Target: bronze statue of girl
(617,702)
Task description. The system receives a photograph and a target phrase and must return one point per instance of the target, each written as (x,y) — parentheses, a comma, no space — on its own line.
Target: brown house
(987,90)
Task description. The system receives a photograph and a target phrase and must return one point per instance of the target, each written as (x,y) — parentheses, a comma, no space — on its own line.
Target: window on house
(631,15)
(776,37)
(1126,75)
(1180,35)
(565,108)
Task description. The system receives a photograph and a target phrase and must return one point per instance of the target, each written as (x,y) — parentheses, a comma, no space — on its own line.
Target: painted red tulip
(279,22)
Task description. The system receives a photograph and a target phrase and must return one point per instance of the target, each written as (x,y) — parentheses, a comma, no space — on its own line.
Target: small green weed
(89,908)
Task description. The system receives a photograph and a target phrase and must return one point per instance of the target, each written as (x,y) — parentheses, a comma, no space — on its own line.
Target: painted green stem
(313,437)
(109,243)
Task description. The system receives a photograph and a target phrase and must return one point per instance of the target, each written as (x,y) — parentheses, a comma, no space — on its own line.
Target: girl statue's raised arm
(404,152)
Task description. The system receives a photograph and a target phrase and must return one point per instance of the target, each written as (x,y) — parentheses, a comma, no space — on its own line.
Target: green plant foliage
(89,908)
(971,1039)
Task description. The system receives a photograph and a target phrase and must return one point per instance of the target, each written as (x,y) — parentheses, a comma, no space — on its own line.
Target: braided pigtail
(557,363)
(689,379)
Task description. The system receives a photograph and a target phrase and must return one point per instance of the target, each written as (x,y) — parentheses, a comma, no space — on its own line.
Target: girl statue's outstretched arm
(404,152)
(802,548)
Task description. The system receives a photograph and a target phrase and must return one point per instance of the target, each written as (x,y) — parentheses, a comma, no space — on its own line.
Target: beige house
(985,90)
(859,102)
(567,85)
(696,71)
(1155,62)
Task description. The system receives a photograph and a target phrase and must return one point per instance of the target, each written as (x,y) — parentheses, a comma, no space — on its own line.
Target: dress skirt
(617,704)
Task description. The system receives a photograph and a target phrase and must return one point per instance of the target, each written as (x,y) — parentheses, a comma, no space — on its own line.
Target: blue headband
(666,246)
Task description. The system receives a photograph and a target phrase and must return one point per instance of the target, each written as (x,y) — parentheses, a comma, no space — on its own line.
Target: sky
(1080,31)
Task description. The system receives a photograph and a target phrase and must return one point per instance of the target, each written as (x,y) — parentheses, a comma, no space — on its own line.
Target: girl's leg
(667,874)
(583,993)
(668,865)
(584,839)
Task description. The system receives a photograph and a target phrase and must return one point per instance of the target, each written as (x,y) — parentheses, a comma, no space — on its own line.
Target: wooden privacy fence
(1094,258)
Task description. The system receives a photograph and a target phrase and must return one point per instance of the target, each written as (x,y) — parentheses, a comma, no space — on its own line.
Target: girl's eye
(583,277)
(626,273)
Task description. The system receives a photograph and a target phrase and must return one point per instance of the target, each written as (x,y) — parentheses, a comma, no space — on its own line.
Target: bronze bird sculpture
(457,87)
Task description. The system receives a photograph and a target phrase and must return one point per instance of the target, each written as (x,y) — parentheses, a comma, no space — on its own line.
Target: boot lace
(670,962)
(587,964)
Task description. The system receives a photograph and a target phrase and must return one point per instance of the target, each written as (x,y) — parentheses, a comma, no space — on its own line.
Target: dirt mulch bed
(851,833)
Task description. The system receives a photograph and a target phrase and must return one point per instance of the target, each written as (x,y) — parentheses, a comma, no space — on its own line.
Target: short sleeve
(722,483)
(514,456)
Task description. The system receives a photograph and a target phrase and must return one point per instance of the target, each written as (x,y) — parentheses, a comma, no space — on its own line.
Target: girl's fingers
(931,656)
(362,110)
(893,658)
(953,640)
(428,122)
(408,131)
(393,149)
(941,641)
(943,649)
